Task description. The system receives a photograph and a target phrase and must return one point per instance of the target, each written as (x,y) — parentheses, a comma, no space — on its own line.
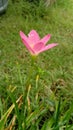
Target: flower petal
(45,39)
(48,47)
(38,47)
(26,42)
(33,36)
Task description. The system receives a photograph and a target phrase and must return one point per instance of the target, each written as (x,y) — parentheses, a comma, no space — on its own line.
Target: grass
(55,67)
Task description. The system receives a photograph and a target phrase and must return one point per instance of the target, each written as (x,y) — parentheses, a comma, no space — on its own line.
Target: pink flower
(34,44)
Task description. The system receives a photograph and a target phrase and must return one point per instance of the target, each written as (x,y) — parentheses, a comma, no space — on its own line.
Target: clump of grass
(33,9)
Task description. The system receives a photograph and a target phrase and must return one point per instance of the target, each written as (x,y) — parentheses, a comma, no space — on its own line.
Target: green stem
(33,59)
(26,88)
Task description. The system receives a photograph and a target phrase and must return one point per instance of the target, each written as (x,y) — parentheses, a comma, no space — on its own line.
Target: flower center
(32,46)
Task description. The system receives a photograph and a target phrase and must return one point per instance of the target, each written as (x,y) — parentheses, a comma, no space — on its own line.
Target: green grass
(55,67)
